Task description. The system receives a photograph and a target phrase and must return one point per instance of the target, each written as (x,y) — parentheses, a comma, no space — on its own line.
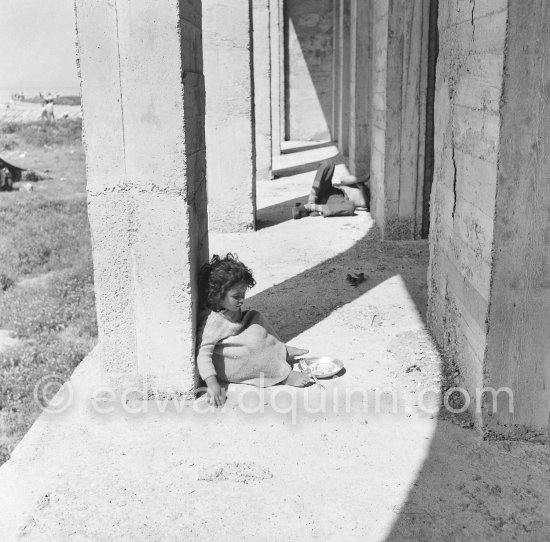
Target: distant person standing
(48,109)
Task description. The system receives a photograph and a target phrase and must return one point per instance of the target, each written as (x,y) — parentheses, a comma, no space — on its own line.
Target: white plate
(324,366)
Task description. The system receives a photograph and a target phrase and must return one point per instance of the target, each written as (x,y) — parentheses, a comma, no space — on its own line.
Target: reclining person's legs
(324,198)
(322,183)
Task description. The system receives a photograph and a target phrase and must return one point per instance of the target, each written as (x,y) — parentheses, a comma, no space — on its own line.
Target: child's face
(234,297)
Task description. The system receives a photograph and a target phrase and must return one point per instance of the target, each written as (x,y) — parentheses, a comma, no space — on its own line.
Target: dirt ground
(369,458)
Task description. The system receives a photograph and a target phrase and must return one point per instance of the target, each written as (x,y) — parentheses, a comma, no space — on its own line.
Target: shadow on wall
(308,57)
(298,168)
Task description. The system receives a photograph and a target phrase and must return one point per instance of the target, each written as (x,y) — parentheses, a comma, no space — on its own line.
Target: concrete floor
(341,464)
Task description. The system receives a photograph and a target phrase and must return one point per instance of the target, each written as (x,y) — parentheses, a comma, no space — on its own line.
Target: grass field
(46,282)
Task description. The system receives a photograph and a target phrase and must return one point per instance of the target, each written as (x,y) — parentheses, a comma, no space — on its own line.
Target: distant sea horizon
(5,93)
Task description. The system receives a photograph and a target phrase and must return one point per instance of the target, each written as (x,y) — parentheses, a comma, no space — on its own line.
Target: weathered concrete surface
(344,82)
(308,67)
(276,35)
(335,69)
(261,66)
(518,341)
(145,161)
(360,90)
(400,41)
(378,109)
(230,153)
(467,128)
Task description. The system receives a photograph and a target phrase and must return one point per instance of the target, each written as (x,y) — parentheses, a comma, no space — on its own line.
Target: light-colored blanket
(245,352)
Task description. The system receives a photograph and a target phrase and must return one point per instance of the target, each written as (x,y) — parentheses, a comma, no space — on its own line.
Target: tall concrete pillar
(344,48)
(360,95)
(518,342)
(275,38)
(400,54)
(489,288)
(335,124)
(230,153)
(145,166)
(282,73)
(261,47)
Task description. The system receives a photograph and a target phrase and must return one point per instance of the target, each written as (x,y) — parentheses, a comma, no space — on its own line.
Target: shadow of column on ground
(297,304)
(278,213)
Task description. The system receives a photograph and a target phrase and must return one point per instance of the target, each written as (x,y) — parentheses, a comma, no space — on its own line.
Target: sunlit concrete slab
(169,470)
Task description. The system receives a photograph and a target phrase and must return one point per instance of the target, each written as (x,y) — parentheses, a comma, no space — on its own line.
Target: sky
(37,45)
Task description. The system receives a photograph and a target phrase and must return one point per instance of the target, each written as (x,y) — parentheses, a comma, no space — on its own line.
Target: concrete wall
(518,341)
(261,47)
(378,109)
(400,49)
(335,69)
(344,76)
(467,131)
(276,38)
(360,87)
(145,167)
(230,156)
(308,69)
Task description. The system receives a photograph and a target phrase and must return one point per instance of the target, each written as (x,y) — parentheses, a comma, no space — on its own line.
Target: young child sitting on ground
(235,345)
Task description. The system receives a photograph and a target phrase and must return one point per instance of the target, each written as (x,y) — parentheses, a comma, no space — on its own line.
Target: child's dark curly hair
(219,275)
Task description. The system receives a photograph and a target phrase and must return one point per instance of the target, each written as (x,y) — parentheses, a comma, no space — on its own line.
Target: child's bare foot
(296,379)
(294,352)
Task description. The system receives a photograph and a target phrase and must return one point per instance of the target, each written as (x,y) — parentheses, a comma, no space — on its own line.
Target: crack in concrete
(454,179)
(473,3)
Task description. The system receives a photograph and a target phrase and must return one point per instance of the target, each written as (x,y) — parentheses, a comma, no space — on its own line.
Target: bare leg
(293,352)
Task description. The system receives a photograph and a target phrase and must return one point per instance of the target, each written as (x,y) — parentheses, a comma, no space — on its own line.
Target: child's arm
(215,392)
(207,371)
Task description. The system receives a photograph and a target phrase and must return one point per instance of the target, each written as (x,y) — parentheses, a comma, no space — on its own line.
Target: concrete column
(400,52)
(275,38)
(230,155)
(360,75)
(335,69)
(344,48)
(518,342)
(262,88)
(282,73)
(489,292)
(145,164)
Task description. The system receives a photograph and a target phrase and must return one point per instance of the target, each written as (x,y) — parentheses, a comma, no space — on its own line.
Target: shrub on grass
(5,282)
(32,176)
(10,127)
